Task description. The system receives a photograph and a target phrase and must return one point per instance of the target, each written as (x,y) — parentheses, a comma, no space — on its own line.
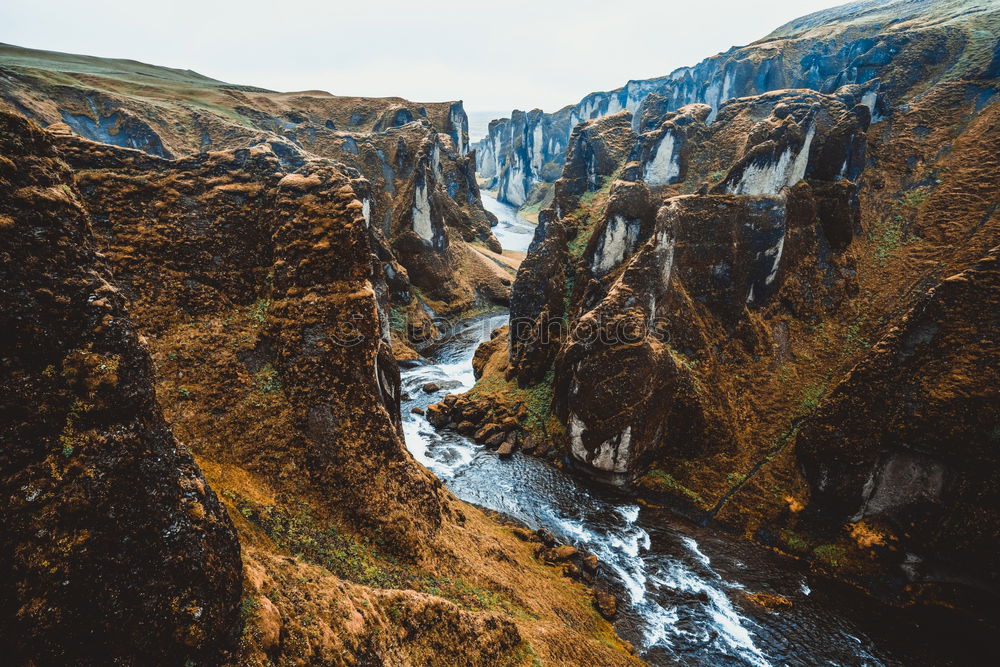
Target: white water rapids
(680,602)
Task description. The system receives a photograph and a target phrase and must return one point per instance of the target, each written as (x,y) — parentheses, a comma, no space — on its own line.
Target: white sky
(493,55)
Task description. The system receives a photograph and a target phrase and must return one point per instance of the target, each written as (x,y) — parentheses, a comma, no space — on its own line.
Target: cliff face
(422,196)
(228,231)
(868,43)
(113,545)
(263,302)
(712,284)
(907,439)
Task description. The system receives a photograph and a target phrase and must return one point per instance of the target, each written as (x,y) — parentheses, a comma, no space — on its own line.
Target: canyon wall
(756,308)
(859,43)
(243,300)
(422,199)
(112,544)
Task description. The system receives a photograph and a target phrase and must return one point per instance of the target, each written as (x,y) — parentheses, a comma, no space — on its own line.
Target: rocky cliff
(741,306)
(258,288)
(113,546)
(869,43)
(422,199)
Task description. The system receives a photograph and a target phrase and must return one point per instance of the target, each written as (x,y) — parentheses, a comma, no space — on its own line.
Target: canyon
(701,370)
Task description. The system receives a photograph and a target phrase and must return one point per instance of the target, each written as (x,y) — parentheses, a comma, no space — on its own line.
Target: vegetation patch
(666,481)
(322,543)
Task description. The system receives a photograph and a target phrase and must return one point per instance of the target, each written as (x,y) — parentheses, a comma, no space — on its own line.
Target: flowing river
(681,587)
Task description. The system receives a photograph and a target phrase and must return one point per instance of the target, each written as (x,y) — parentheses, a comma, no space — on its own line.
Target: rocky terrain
(422,201)
(762,296)
(763,291)
(858,43)
(210,466)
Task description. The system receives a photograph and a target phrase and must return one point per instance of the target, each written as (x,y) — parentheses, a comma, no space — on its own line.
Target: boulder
(438,415)
(507,448)
(606,604)
(496,441)
(487,433)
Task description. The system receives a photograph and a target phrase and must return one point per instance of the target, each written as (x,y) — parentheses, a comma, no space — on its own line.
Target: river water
(513,231)
(681,587)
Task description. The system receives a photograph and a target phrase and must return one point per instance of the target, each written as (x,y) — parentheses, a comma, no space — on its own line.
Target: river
(681,587)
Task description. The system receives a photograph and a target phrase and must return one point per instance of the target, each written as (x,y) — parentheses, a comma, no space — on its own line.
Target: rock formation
(113,546)
(714,273)
(422,200)
(886,48)
(265,300)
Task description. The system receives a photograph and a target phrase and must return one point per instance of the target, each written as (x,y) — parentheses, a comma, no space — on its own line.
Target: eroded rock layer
(887,48)
(735,304)
(113,546)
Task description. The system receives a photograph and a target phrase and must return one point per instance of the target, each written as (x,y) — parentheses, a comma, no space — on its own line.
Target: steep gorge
(762,295)
(739,308)
(249,298)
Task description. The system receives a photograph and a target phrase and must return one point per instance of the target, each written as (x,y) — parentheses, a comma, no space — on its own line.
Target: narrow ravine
(513,231)
(682,589)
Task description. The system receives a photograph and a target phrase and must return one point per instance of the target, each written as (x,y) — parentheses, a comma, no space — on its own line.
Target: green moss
(297,531)
(914,198)
(397,320)
(579,244)
(300,533)
(267,380)
(70,438)
(795,542)
(666,481)
(855,339)
(831,554)
(537,400)
(248,612)
(258,312)
(811,397)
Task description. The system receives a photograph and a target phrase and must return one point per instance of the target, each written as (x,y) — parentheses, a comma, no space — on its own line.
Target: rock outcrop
(886,48)
(113,546)
(421,201)
(231,231)
(714,270)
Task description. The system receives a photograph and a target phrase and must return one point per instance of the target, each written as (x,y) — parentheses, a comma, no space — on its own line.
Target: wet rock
(438,414)
(466,428)
(496,441)
(590,563)
(546,537)
(507,448)
(562,553)
(487,433)
(524,534)
(417,411)
(431,387)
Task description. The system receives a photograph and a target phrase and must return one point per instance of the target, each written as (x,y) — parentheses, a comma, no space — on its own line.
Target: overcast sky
(493,55)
